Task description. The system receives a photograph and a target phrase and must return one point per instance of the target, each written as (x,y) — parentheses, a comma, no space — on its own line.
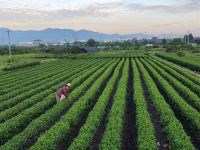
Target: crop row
(112,137)
(38,125)
(8,113)
(145,129)
(14,84)
(12,68)
(32,83)
(88,130)
(36,93)
(173,129)
(189,96)
(185,73)
(34,77)
(62,128)
(17,72)
(43,65)
(184,80)
(190,115)
(183,63)
(21,74)
(35,122)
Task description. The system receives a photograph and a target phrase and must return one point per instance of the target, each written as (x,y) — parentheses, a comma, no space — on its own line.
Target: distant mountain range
(56,35)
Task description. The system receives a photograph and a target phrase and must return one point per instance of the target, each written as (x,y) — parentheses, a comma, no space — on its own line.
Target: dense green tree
(164,42)
(91,43)
(176,41)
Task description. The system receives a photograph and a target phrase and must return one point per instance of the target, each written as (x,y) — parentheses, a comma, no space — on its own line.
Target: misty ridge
(55,34)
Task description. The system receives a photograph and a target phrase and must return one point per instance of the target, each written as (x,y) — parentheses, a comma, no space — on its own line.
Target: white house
(149,45)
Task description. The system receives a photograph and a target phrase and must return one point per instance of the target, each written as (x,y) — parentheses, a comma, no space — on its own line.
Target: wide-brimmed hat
(68,84)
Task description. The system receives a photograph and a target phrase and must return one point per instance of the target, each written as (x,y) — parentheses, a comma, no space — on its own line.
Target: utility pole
(188,38)
(9,44)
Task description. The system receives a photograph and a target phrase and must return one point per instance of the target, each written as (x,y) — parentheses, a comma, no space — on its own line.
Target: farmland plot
(114,103)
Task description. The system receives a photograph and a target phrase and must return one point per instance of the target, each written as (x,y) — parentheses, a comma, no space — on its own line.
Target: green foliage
(172,127)
(37,97)
(164,42)
(62,128)
(38,124)
(91,43)
(76,50)
(113,54)
(17,123)
(18,50)
(30,116)
(188,75)
(180,53)
(196,51)
(184,77)
(145,130)
(170,49)
(86,133)
(112,137)
(190,96)
(31,64)
(176,41)
(7,86)
(186,111)
(182,62)
(59,49)
(34,90)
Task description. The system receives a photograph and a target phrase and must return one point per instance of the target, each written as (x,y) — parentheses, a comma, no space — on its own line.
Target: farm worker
(62,92)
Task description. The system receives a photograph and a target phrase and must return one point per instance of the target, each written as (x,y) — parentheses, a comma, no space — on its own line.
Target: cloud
(184,6)
(102,15)
(28,14)
(105,8)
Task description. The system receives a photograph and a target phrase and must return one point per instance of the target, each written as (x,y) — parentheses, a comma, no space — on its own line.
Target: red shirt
(63,91)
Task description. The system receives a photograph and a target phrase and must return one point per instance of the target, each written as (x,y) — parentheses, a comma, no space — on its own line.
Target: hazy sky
(109,16)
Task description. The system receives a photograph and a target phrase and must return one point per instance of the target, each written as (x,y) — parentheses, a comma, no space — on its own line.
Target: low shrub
(11,68)
(180,54)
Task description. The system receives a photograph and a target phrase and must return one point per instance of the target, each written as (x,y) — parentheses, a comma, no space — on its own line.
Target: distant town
(93,44)
(188,39)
